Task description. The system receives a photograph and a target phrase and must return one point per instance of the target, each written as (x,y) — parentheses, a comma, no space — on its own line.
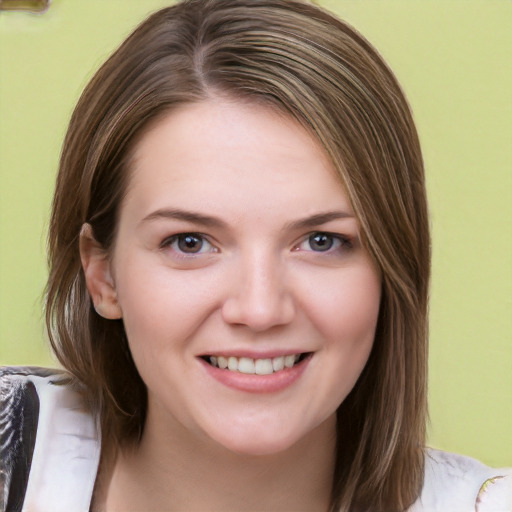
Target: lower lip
(252,383)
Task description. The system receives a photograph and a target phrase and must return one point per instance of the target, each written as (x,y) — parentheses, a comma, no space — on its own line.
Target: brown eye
(189,243)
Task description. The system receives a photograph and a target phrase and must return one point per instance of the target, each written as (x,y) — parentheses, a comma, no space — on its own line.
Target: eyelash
(338,241)
(181,237)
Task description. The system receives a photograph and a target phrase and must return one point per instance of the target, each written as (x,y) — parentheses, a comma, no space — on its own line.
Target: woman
(239,278)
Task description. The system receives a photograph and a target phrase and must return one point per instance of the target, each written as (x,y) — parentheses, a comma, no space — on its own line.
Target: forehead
(218,149)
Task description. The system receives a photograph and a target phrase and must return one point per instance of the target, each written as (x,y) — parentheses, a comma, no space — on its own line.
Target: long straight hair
(309,64)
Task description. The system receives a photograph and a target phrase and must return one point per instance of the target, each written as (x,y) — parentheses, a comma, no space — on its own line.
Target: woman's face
(237,245)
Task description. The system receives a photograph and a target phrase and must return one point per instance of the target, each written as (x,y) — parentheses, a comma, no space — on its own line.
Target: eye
(324,242)
(188,243)
(320,242)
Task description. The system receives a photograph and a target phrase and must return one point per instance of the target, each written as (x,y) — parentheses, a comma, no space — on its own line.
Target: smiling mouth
(251,366)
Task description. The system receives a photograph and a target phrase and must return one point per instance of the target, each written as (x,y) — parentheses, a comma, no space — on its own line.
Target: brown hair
(297,57)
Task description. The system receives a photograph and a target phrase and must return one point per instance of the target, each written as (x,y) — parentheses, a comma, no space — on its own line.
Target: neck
(171,471)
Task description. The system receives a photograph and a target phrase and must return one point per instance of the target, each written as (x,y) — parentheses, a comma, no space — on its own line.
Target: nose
(259,297)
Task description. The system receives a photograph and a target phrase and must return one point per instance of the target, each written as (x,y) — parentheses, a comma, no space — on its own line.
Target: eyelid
(170,240)
(346,242)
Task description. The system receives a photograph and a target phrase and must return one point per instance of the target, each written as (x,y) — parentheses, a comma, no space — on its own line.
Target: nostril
(259,313)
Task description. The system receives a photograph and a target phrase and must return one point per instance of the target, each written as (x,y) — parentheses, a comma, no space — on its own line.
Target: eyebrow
(318,219)
(210,221)
(188,216)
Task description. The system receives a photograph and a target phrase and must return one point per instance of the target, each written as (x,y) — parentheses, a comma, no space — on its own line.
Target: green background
(453,59)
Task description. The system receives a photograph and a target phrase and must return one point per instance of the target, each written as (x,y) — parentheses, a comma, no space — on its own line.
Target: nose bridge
(260,297)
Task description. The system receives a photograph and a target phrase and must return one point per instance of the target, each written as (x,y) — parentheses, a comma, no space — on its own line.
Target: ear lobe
(98,275)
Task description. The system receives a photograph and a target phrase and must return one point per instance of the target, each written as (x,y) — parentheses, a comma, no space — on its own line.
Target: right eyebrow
(185,215)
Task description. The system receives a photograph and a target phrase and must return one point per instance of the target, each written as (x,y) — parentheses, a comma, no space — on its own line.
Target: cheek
(161,308)
(347,310)
(343,310)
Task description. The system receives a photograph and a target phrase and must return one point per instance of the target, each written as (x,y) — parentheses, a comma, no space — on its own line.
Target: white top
(454,483)
(67,452)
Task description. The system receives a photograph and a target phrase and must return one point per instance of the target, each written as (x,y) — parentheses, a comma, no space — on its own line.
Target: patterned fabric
(49,443)
(56,469)
(19,412)
(454,483)
(18,422)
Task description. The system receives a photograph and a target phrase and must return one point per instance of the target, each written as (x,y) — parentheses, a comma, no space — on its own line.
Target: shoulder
(462,484)
(48,437)
(23,387)
(19,416)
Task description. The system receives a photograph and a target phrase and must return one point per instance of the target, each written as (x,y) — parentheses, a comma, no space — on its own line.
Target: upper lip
(266,354)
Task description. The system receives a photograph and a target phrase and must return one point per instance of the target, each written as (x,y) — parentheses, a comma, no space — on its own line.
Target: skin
(252,282)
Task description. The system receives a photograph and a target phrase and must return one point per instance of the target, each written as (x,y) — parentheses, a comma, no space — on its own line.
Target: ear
(98,275)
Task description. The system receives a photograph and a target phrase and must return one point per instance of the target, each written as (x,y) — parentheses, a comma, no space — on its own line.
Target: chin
(256,444)
(261,440)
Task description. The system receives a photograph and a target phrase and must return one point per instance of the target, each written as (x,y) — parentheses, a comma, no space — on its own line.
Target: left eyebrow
(318,219)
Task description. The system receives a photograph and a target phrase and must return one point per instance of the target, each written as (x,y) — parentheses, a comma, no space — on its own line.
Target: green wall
(453,58)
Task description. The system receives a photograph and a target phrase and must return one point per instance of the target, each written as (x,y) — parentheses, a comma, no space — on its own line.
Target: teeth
(264,367)
(289,361)
(278,363)
(255,366)
(245,365)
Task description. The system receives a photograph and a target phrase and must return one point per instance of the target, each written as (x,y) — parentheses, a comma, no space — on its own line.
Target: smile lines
(255,366)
